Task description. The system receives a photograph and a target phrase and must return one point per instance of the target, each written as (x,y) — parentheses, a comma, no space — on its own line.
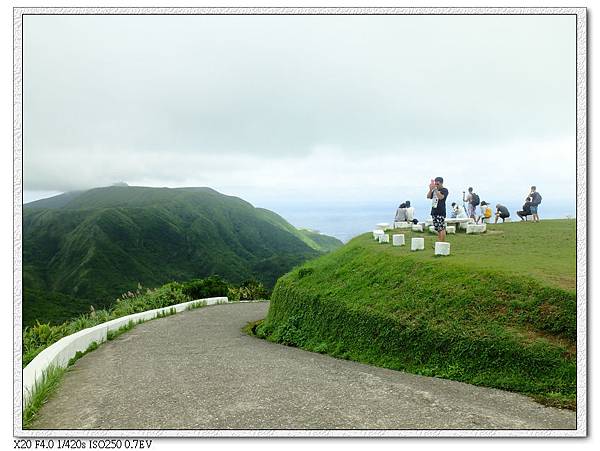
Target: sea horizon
(345,221)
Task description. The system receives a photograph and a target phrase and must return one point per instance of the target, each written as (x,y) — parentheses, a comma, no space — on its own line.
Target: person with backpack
(472,200)
(536,199)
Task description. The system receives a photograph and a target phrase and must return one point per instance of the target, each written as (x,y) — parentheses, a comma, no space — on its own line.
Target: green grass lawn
(500,311)
(545,250)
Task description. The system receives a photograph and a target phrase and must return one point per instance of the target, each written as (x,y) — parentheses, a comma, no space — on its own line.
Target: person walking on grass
(536,199)
(438,195)
(472,200)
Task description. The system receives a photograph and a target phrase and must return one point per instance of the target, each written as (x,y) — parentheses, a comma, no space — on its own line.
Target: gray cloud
(156,98)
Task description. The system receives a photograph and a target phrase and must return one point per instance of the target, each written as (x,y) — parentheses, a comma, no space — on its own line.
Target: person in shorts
(536,199)
(469,199)
(438,195)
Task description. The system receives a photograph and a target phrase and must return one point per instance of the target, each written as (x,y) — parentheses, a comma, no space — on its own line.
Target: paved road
(197,370)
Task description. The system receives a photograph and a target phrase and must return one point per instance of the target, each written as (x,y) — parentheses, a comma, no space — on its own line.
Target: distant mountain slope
(94,245)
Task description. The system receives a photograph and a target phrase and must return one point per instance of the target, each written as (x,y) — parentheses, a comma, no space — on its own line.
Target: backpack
(539,199)
(474,199)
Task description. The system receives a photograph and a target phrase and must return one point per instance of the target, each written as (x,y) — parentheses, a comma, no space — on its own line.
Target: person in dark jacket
(501,212)
(526,211)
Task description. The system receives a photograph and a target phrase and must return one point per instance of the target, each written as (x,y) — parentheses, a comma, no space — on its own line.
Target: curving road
(197,370)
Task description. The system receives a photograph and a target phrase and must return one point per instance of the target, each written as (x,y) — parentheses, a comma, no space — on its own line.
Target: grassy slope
(500,311)
(97,244)
(321,243)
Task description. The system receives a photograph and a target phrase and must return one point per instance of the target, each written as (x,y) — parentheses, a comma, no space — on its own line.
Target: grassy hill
(500,311)
(88,247)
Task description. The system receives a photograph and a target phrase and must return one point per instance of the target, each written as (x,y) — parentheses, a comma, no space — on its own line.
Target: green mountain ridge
(91,246)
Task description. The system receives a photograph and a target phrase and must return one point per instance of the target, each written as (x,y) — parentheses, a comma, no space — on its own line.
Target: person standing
(438,195)
(536,199)
(472,200)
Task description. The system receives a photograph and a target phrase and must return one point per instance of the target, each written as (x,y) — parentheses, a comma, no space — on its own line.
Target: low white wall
(58,354)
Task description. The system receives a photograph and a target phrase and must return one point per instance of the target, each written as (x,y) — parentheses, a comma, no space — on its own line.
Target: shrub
(212,286)
(247,291)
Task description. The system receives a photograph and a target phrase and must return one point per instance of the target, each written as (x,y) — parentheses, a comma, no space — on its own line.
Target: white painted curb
(58,354)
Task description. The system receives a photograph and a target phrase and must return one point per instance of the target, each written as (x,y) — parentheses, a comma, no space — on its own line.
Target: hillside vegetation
(500,311)
(88,247)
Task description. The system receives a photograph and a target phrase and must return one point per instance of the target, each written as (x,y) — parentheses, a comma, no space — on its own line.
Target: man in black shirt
(438,195)
(501,212)
(526,210)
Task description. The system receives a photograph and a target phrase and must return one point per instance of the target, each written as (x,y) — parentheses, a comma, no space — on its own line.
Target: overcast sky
(301,108)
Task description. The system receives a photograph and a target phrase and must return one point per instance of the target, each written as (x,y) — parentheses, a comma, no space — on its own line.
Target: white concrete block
(442,248)
(507,220)
(383,226)
(432,229)
(451,229)
(476,228)
(376,234)
(402,225)
(417,228)
(385,238)
(417,244)
(398,239)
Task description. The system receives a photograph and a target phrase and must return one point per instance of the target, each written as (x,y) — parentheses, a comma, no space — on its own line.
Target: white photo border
(582,257)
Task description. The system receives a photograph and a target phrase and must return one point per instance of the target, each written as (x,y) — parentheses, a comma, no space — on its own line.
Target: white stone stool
(475,228)
(376,234)
(417,244)
(398,239)
(403,225)
(506,219)
(382,226)
(385,238)
(451,229)
(442,248)
(432,229)
(417,228)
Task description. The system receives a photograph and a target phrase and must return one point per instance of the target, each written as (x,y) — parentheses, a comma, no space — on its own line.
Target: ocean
(345,221)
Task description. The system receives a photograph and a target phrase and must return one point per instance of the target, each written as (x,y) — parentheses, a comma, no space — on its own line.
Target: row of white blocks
(416,244)
(58,354)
